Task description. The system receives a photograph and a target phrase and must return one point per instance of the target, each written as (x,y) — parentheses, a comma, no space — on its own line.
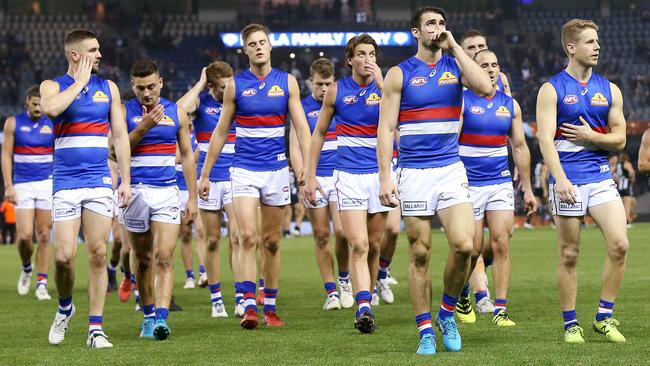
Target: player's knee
(164,260)
(272,242)
(248,240)
(97,256)
(419,255)
(500,244)
(322,238)
(618,249)
(569,256)
(374,249)
(213,243)
(463,248)
(358,248)
(186,237)
(24,241)
(63,260)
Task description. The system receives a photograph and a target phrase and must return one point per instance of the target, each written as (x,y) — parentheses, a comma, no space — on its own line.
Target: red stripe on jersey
(260,121)
(330,135)
(33,150)
(356,130)
(155,149)
(80,128)
(203,136)
(420,114)
(483,140)
(231,137)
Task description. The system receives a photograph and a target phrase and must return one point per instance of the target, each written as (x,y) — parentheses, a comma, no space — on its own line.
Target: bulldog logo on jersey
(275,91)
(248,92)
(418,81)
(46,130)
(599,100)
(571,99)
(447,78)
(166,121)
(100,97)
(350,99)
(313,114)
(477,109)
(373,99)
(502,112)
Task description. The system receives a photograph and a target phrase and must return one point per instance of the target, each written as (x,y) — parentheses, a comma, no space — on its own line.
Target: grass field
(315,337)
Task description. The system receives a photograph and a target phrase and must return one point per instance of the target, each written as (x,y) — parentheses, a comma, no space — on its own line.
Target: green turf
(313,336)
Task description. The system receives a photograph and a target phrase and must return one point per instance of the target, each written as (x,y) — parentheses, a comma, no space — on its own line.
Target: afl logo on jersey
(248,92)
(373,99)
(571,99)
(313,114)
(275,91)
(502,112)
(599,100)
(213,110)
(477,110)
(418,81)
(447,78)
(100,97)
(350,99)
(136,119)
(46,130)
(25,128)
(166,121)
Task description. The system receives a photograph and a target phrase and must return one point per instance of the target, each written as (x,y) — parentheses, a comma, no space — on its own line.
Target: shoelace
(574,330)
(450,328)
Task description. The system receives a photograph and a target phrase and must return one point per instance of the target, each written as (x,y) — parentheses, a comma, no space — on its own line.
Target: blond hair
(572,28)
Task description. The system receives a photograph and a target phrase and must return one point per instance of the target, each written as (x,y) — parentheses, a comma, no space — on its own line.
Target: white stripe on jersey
(228,148)
(329,145)
(428,128)
(260,132)
(356,141)
(153,160)
(568,146)
(81,141)
(33,158)
(482,152)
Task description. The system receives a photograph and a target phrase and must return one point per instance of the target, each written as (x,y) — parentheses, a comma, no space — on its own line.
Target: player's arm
(461,118)
(614,140)
(53,100)
(472,76)
(297,162)
(189,168)
(149,121)
(521,156)
(190,101)
(644,153)
(8,159)
(506,84)
(120,139)
(544,179)
(299,125)
(388,116)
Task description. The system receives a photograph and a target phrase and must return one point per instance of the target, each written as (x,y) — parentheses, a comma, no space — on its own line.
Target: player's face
(362,53)
(473,44)
(147,89)
(490,64)
(218,87)
(320,85)
(429,23)
(33,105)
(89,47)
(587,47)
(258,48)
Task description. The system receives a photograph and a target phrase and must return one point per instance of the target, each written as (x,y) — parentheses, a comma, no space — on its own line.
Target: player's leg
(212,231)
(376,227)
(25,232)
(342,253)
(43,226)
(200,251)
(286,221)
(114,260)
(164,235)
(464,308)
(142,246)
(299,215)
(568,235)
(125,258)
(320,223)
(499,225)
(388,246)
(185,234)
(479,286)
(271,232)
(235,255)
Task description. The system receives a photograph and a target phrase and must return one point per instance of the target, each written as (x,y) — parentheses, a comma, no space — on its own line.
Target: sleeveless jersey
(429,113)
(500,86)
(327,162)
(153,159)
(207,116)
(180,177)
(33,148)
(81,137)
(483,140)
(357,116)
(582,164)
(261,113)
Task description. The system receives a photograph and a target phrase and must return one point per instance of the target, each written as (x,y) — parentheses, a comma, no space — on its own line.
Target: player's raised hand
(204,188)
(375,70)
(151,118)
(83,70)
(388,195)
(581,133)
(444,39)
(204,77)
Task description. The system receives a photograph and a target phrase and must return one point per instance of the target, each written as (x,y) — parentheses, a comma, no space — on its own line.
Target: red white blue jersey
(500,86)
(429,113)
(180,177)
(33,148)
(327,162)
(262,105)
(357,116)
(483,140)
(582,164)
(207,116)
(81,137)
(153,159)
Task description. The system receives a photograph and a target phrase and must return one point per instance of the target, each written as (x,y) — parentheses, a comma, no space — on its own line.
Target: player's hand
(204,188)
(83,70)
(530,203)
(150,119)
(10,194)
(444,39)
(578,133)
(565,191)
(301,183)
(374,69)
(191,209)
(123,195)
(388,195)
(203,79)
(310,188)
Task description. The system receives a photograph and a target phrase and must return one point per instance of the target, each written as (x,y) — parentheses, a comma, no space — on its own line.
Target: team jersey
(180,177)
(582,164)
(81,137)
(483,140)
(207,116)
(262,105)
(327,162)
(153,158)
(429,113)
(357,115)
(500,86)
(33,148)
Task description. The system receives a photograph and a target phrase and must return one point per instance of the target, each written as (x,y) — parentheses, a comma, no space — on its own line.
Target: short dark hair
(144,68)
(252,28)
(416,19)
(357,40)
(217,70)
(322,67)
(78,35)
(33,92)
(472,33)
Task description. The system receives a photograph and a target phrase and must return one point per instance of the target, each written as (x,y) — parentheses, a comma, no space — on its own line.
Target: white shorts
(220,195)
(588,195)
(358,192)
(271,187)
(68,203)
(34,195)
(495,197)
(150,203)
(327,184)
(182,198)
(425,191)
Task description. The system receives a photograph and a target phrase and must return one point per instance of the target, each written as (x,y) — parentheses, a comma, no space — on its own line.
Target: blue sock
(248,288)
(363,302)
(424,324)
(95,324)
(605,309)
(162,313)
(65,306)
(570,318)
(344,276)
(201,269)
(27,267)
(383,268)
(465,291)
(478,296)
(215,292)
(330,288)
(261,283)
(239,294)
(447,306)
(112,268)
(189,273)
(149,311)
(270,294)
